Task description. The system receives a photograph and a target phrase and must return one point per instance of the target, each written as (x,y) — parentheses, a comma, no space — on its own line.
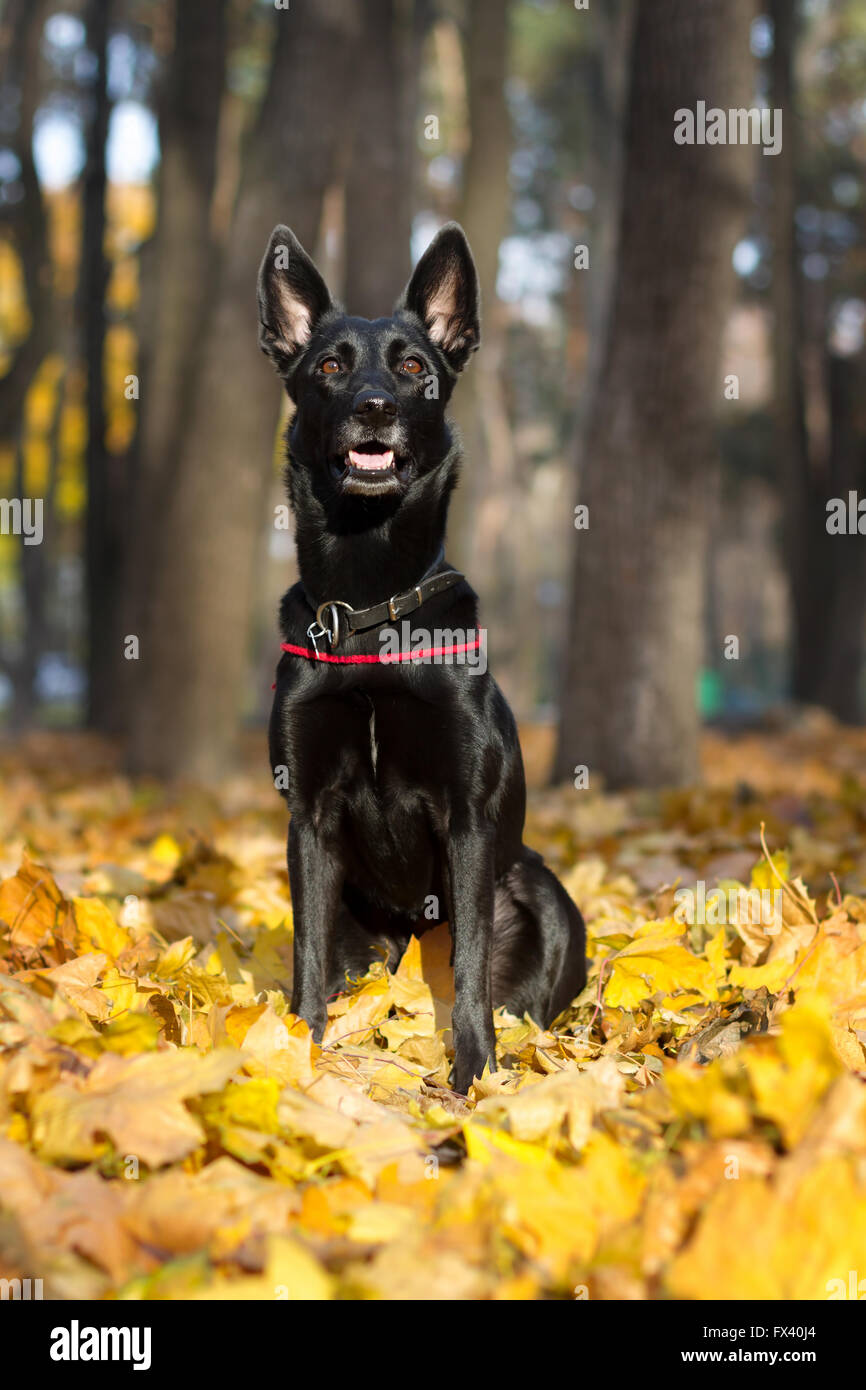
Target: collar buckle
(396,602)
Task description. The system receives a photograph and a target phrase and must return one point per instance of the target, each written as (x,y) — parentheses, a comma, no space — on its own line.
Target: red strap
(312,655)
(387,658)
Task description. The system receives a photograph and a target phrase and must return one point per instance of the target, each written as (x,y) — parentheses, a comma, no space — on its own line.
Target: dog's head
(370,395)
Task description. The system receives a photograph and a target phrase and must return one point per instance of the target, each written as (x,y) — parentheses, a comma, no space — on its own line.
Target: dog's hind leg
(354,948)
(539,942)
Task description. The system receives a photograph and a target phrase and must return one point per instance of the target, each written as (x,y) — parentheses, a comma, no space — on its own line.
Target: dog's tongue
(371,461)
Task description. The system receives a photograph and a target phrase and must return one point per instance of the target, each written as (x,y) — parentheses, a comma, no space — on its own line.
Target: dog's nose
(371,404)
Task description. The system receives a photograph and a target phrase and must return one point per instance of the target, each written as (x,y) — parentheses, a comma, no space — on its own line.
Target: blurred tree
(180,269)
(484,208)
(840,672)
(484,530)
(188,695)
(634,642)
(791,440)
(184,249)
(23,222)
(106,481)
(379,173)
(826,573)
(565,72)
(608,75)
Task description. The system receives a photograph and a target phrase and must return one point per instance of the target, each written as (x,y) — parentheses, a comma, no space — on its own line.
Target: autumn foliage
(694,1127)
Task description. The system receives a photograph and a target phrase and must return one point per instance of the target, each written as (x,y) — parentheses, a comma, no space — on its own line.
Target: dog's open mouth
(371,467)
(372,462)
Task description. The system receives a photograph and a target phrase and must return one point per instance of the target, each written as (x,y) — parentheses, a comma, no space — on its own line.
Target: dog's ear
(292,298)
(443,292)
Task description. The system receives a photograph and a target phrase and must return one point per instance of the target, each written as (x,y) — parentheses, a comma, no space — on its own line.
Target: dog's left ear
(443,292)
(292,298)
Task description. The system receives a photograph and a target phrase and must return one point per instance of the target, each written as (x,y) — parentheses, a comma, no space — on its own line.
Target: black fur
(404,781)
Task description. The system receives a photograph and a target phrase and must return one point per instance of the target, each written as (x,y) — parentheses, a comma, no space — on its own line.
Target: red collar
(387,658)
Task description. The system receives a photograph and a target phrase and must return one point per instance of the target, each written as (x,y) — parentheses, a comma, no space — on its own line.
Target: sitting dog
(402,772)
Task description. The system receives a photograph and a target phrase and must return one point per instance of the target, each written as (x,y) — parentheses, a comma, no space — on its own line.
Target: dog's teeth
(371,462)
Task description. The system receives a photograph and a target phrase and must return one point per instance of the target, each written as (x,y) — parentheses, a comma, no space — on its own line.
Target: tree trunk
(188,697)
(837,681)
(103,529)
(609,76)
(36,562)
(635,635)
(484,534)
(25,220)
(483,213)
(807,563)
(378,180)
(178,271)
(184,251)
(21,34)
(826,573)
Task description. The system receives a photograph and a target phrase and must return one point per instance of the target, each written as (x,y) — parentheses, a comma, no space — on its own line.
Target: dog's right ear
(292,298)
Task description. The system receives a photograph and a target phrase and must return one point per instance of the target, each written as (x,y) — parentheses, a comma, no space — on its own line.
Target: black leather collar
(336,620)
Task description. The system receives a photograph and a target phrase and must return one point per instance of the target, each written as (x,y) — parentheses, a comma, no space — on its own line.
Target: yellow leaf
(173,960)
(280,1047)
(267,1033)
(554,1213)
(650,964)
(757,1240)
(715,952)
(33,908)
(120,990)
(763,876)
(138,1102)
(352,1018)
(771,976)
(76,979)
(790,1077)
(133,1032)
(566,1101)
(703,1093)
(410,992)
(292,1275)
(166,851)
(252,1103)
(97,929)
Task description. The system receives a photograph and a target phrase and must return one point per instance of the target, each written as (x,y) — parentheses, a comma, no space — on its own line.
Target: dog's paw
(468,1069)
(315,1019)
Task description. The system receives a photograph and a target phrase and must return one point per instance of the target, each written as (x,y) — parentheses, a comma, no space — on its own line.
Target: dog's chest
(367,752)
(383,791)
(400,748)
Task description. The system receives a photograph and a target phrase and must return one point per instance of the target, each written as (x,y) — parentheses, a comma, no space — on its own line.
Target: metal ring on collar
(332,629)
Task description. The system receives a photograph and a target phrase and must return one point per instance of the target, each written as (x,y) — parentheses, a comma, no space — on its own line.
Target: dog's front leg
(316,878)
(470,870)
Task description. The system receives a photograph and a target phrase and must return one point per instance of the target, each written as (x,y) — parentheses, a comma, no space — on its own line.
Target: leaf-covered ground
(695,1127)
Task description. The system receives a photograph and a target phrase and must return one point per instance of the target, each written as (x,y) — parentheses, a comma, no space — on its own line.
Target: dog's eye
(330,366)
(411,365)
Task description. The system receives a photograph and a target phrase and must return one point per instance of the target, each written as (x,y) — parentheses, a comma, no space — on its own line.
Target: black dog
(404,779)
